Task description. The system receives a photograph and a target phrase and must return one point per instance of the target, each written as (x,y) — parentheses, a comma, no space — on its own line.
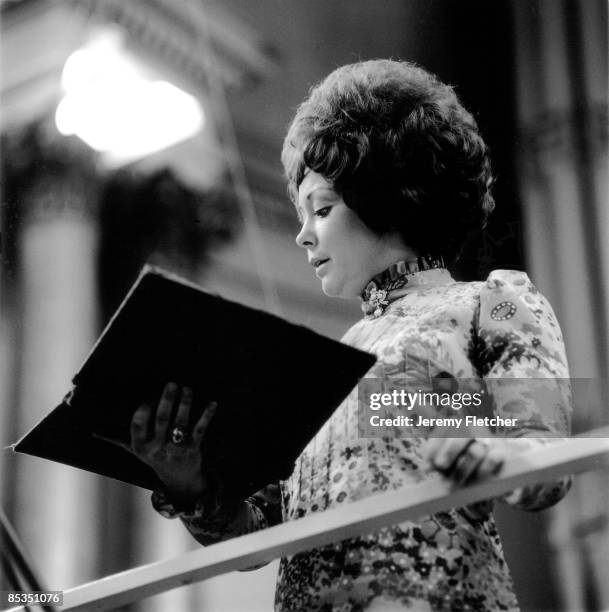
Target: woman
(390,176)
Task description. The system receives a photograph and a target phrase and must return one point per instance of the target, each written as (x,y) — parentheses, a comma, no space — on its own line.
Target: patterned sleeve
(215,520)
(522,358)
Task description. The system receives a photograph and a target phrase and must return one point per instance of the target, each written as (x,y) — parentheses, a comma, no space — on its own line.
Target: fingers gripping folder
(553,461)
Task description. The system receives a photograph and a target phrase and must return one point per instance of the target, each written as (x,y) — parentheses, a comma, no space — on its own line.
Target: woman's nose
(305,237)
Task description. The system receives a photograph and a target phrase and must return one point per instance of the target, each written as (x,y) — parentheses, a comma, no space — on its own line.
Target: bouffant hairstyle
(400,149)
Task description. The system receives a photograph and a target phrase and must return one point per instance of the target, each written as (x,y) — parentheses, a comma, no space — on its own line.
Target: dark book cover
(275,384)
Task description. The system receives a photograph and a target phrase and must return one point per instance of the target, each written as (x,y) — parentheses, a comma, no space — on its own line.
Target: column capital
(47,175)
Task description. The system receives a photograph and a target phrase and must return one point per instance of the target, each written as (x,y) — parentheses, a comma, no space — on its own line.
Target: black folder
(275,384)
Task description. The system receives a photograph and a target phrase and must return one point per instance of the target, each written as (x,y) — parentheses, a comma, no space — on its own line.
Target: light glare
(118,112)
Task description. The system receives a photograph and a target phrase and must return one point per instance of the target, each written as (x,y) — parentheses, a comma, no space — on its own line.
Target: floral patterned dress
(450,561)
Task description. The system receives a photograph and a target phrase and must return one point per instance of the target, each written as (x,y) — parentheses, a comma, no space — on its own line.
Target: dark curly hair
(400,149)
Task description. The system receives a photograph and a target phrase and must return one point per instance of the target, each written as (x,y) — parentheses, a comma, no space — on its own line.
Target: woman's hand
(168,446)
(468,460)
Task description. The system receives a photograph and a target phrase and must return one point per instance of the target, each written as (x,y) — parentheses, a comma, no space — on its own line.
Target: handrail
(553,461)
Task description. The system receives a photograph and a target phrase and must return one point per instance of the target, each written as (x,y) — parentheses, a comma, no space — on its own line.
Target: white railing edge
(356,518)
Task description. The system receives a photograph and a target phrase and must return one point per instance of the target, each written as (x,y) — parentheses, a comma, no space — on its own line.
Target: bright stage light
(112,107)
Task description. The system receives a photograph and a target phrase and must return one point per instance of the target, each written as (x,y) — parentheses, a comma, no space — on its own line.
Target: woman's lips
(321,267)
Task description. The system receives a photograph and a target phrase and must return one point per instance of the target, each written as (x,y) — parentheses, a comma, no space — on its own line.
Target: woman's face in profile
(344,252)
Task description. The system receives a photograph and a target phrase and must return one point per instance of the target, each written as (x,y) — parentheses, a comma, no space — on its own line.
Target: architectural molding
(47,175)
(180,35)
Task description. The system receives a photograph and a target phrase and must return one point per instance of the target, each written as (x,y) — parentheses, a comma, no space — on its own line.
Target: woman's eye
(322,212)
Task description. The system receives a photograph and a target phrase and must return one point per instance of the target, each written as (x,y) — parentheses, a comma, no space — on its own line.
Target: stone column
(561,65)
(52,188)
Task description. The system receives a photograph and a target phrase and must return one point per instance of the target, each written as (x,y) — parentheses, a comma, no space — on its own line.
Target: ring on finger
(474,447)
(457,458)
(178,435)
(471,458)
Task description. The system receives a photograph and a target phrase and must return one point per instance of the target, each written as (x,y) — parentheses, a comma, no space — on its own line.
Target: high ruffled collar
(386,286)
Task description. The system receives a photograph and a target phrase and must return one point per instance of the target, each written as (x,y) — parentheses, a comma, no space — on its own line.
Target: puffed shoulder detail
(509,298)
(507,275)
(498,279)
(511,304)
(515,318)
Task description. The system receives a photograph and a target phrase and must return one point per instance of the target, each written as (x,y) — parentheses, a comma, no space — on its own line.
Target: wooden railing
(551,462)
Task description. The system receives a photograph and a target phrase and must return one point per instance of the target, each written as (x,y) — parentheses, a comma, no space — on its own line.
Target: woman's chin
(334,291)
(328,289)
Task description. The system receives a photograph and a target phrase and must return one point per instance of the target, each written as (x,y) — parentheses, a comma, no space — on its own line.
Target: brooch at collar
(375,303)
